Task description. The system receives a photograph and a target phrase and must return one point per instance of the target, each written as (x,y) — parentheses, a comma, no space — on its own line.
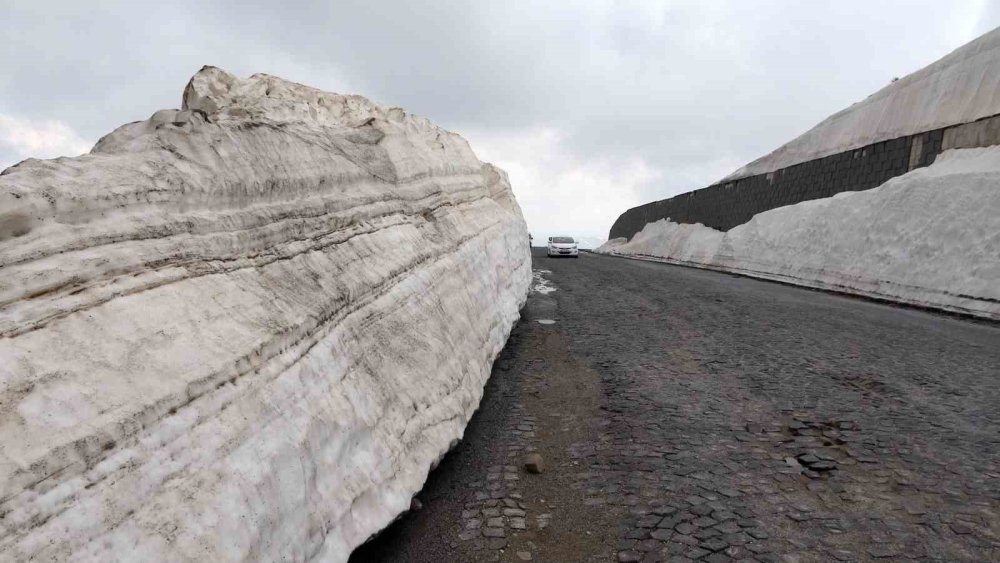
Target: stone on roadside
(534,463)
(496,543)
(493,532)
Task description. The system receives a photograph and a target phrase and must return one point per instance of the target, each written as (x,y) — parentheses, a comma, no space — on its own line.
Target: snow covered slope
(930,237)
(590,243)
(959,88)
(246,329)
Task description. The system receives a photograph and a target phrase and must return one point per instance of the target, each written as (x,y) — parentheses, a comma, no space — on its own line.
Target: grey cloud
(687,86)
(8,155)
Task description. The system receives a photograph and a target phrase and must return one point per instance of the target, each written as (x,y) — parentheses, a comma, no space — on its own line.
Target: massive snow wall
(950,104)
(245,329)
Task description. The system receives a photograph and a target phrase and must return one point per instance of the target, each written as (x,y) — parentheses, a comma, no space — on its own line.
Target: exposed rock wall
(729,204)
(245,329)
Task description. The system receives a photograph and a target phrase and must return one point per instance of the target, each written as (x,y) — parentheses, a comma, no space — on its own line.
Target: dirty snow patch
(539,284)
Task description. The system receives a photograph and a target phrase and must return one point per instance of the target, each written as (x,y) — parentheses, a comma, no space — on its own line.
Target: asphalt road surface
(685,415)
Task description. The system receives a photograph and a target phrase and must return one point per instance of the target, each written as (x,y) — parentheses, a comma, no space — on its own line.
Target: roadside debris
(534,463)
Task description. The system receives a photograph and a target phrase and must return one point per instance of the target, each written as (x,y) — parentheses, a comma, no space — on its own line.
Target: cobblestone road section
(741,420)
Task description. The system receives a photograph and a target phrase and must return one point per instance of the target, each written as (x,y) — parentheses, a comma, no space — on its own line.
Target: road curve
(686,414)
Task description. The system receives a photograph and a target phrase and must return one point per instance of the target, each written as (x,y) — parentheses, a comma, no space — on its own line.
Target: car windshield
(562,240)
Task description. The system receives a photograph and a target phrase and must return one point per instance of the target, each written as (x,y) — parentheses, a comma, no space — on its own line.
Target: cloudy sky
(592,107)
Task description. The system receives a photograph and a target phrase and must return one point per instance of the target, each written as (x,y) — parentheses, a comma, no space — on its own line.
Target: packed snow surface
(246,329)
(961,87)
(930,237)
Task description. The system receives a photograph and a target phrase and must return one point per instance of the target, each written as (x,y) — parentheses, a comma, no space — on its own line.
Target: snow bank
(245,329)
(961,87)
(929,237)
(541,284)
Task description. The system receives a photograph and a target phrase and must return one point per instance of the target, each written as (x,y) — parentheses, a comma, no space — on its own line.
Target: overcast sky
(592,107)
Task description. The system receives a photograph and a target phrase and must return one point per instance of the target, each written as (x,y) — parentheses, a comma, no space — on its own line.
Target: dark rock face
(725,205)
(728,204)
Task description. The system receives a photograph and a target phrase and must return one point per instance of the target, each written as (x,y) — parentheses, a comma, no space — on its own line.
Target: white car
(563,246)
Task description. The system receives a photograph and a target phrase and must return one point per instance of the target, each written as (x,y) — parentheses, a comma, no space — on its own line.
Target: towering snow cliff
(245,329)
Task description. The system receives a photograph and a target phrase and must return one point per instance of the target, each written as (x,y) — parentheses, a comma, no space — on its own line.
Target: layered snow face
(961,87)
(929,237)
(246,329)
